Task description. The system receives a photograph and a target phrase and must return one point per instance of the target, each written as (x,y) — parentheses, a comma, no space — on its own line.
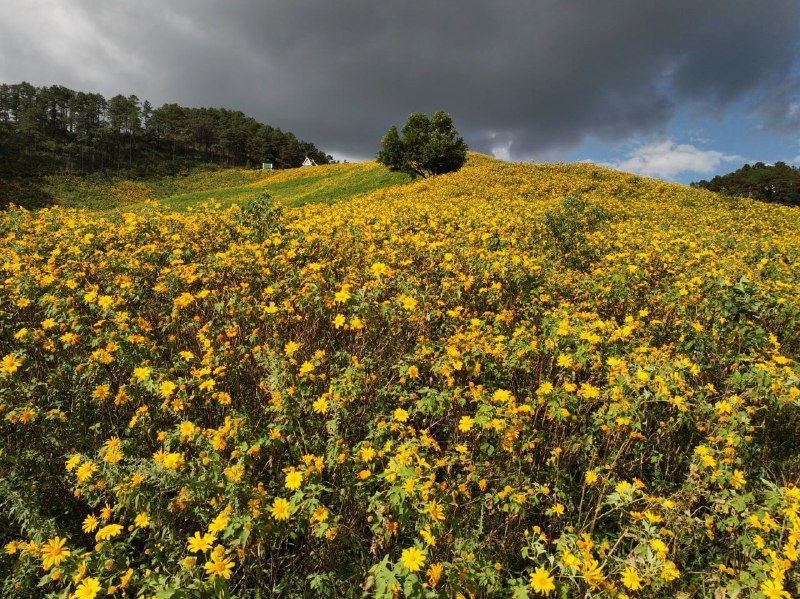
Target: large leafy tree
(428,146)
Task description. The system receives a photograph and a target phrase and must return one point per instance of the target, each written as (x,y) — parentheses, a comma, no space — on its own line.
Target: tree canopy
(56,129)
(428,146)
(778,183)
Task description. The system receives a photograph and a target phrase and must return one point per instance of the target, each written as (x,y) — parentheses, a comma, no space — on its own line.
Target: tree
(779,183)
(53,129)
(428,146)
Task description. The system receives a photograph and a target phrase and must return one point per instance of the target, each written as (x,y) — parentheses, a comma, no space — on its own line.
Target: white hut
(308,162)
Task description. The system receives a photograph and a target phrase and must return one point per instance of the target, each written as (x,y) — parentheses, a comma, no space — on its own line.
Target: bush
(570,226)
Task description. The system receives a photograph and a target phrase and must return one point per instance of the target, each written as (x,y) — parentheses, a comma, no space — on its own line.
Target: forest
(55,129)
(779,183)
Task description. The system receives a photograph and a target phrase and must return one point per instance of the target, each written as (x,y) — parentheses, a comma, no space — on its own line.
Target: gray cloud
(537,76)
(779,109)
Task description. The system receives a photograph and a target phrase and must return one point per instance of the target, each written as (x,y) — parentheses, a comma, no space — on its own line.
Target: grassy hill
(293,187)
(514,380)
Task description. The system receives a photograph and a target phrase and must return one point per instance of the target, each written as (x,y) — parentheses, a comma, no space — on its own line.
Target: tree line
(779,183)
(55,129)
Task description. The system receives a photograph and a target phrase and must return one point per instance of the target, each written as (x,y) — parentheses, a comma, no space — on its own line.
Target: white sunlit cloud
(667,159)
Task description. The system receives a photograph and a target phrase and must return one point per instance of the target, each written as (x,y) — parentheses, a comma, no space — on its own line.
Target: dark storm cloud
(779,108)
(536,77)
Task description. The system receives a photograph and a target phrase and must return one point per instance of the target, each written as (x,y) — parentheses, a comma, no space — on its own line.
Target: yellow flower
(428,537)
(773,589)
(167,388)
(306,368)
(570,560)
(200,542)
(408,302)
(631,580)
(90,523)
(320,405)
(85,471)
(280,509)
(218,565)
(10,363)
(413,559)
(435,573)
(293,480)
(219,523)
(400,415)
(72,463)
(105,513)
(593,573)
(413,372)
(436,511)
(590,477)
(379,268)
(341,296)
(187,430)
(142,520)
(234,473)
(502,396)
(108,532)
(738,480)
(465,424)
(588,391)
(291,347)
(54,552)
(659,547)
(367,453)
(320,514)
(542,582)
(172,461)
(112,451)
(87,589)
(670,572)
(141,373)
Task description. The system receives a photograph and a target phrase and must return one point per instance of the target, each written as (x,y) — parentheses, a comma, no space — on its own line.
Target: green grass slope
(295,187)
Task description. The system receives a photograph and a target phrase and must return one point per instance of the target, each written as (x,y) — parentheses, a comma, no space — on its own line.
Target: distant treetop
(778,183)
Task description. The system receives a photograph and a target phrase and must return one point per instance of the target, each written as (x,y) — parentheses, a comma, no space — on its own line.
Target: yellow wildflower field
(514,380)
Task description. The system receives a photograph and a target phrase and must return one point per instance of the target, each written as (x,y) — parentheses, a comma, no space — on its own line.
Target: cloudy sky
(677,89)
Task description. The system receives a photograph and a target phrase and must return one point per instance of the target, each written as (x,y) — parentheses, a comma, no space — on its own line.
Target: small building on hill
(308,162)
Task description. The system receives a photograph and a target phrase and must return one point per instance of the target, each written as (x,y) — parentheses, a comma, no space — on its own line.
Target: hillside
(324,183)
(513,380)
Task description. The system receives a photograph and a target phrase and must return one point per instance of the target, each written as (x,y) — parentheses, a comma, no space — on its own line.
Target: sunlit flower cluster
(468,386)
